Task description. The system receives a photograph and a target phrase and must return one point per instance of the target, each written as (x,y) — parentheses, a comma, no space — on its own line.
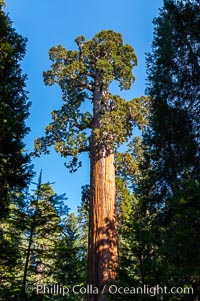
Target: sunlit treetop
(104,55)
(83,75)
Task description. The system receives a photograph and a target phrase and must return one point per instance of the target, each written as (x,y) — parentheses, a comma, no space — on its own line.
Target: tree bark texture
(103,245)
(103,234)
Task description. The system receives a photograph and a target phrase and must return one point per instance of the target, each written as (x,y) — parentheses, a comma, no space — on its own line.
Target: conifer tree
(15,170)
(70,265)
(42,229)
(97,127)
(171,167)
(11,259)
(159,235)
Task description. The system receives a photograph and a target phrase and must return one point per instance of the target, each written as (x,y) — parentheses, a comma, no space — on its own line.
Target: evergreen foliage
(162,232)
(15,171)
(97,63)
(11,259)
(70,265)
(173,141)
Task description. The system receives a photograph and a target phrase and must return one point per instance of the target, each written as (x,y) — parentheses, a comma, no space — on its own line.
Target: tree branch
(83,149)
(82,127)
(85,85)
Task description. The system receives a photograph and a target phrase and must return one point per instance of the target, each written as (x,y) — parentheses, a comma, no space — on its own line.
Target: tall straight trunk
(103,236)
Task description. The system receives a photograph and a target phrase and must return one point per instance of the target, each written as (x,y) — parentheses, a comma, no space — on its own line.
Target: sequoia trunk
(103,245)
(103,236)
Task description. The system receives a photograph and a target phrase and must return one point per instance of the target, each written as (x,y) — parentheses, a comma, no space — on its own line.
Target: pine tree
(83,218)
(42,229)
(15,170)
(160,226)
(98,128)
(171,169)
(11,254)
(70,265)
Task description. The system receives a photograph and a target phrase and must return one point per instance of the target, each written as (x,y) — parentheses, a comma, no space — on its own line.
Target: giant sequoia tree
(98,127)
(14,168)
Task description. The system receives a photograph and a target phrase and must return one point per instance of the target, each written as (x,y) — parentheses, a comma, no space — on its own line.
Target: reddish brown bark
(103,236)
(103,246)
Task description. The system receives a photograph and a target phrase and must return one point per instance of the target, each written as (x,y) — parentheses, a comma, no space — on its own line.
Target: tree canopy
(97,62)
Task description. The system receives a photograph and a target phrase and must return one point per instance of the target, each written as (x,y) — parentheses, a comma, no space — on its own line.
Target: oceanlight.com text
(59,290)
(150,290)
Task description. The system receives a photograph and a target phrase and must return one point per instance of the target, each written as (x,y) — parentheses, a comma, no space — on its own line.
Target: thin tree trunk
(23,291)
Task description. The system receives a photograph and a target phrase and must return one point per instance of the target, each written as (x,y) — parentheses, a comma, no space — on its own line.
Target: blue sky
(48,23)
